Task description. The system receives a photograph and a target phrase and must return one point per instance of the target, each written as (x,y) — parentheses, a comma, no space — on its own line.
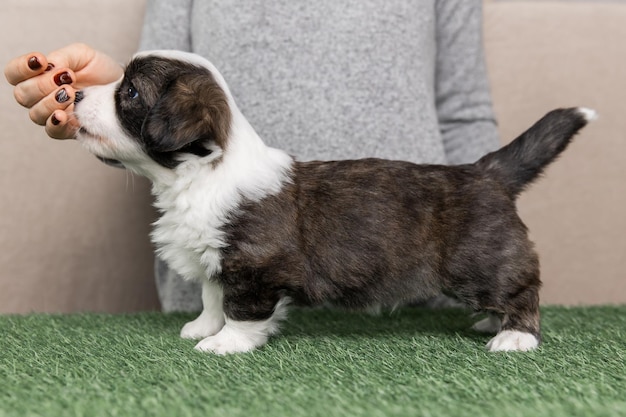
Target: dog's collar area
(173,159)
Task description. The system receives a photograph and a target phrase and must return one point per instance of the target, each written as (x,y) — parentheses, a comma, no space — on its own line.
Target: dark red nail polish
(62,96)
(33,63)
(49,67)
(54,120)
(62,78)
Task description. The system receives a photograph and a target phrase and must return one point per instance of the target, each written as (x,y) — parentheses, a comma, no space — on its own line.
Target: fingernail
(63,78)
(49,67)
(61,96)
(33,63)
(54,120)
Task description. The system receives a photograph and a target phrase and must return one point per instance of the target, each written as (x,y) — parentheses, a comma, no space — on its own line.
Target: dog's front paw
(512,340)
(202,327)
(230,340)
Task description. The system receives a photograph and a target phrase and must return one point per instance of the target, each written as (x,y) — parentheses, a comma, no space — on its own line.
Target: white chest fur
(198,202)
(188,235)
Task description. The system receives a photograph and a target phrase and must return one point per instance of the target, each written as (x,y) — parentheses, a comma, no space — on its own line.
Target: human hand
(47,85)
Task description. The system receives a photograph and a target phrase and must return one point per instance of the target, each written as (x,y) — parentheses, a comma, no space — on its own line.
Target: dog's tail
(520,162)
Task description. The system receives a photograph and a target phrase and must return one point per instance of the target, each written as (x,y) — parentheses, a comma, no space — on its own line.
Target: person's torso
(329,79)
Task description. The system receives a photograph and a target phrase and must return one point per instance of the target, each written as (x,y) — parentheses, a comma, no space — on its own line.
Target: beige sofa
(74,233)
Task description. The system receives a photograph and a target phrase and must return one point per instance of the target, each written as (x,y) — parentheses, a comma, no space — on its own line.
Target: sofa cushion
(542,55)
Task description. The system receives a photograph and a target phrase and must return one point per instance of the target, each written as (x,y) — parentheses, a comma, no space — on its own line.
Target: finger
(60,99)
(61,126)
(90,66)
(32,90)
(75,56)
(25,67)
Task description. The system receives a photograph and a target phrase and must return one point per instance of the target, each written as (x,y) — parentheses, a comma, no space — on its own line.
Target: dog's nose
(79,96)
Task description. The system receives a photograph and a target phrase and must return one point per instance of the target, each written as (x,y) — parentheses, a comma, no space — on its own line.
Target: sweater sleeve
(463,100)
(167,25)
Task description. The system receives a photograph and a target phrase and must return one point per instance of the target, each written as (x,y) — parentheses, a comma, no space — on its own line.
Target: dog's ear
(192,108)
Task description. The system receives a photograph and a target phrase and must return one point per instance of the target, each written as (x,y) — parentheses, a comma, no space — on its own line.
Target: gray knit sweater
(340,79)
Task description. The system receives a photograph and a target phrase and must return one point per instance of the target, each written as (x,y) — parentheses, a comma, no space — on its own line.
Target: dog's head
(169,107)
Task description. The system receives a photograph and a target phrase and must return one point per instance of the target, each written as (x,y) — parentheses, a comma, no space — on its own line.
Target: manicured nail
(62,78)
(33,63)
(49,67)
(54,120)
(61,96)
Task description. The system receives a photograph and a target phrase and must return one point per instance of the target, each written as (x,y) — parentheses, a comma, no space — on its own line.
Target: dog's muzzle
(79,96)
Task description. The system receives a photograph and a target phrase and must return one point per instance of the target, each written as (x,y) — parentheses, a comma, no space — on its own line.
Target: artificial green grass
(326,363)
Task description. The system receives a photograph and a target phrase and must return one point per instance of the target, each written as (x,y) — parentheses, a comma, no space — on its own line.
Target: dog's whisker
(130,174)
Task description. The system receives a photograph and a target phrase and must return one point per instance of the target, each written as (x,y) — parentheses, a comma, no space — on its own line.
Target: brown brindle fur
(376,232)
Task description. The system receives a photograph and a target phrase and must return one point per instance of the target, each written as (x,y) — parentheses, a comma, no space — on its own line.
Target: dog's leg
(243,336)
(211,320)
(490,324)
(520,325)
(509,292)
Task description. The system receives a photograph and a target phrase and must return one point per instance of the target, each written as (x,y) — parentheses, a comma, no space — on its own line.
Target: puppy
(260,229)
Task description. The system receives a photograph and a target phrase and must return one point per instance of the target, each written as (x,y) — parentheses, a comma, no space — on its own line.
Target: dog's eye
(132,92)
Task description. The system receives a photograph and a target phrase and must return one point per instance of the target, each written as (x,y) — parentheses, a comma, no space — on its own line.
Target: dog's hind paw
(512,340)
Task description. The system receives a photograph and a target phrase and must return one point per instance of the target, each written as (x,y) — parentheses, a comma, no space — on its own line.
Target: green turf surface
(410,363)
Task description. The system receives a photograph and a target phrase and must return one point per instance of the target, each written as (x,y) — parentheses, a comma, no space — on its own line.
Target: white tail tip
(589,114)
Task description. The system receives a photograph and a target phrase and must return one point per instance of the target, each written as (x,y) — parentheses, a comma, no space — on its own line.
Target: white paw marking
(244,336)
(211,320)
(202,327)
(588,114)
(232,340)
(512,340)
(490,324)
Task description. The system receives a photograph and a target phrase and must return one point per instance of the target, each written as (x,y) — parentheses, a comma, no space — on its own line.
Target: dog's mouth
(109,161)
(84,132)
(112,162)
